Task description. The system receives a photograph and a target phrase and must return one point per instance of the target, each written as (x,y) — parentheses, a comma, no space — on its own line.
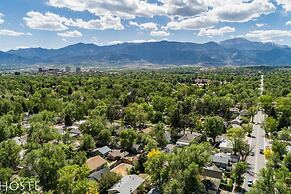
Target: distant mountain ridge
(236,51)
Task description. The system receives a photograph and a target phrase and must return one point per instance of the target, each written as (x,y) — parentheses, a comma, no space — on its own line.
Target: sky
(58,23)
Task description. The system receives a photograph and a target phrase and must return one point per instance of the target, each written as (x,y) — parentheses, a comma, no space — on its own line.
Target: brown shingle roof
(95,163)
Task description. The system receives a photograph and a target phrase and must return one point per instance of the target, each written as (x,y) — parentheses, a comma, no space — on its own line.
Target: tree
(159,133)
(237,172)
(9,154)
(127,138)
(178,172)
(108,180)
(87,143)
(248,128)
(213,126)
(279,148)
(5,174)
(73,179)
(270,125)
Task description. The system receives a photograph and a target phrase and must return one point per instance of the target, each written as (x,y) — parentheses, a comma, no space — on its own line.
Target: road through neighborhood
(257,141)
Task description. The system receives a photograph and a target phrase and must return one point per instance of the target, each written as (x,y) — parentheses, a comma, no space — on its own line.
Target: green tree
(108,180)
(73,180)
(237,172)
(213,126)
(270,125)
(87,143)
(127,139)
(9,154)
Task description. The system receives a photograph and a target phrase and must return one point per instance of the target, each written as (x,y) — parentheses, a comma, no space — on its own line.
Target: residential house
(22,140)
(244,112)
(169,148)
(127,185)
(226,146)
(188,138)
(122,169)
(236,121)
(221,160)
(97,175)
(96,163)
(102,151)
(117,154)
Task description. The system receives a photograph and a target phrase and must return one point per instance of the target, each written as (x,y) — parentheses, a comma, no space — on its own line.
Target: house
(212,172)
(122,169)
(167,136)
(22,140)
(188,138)
(137,148)
(74,131)
(221,160)
(169,148)
(212,185)
(244,112)
(226,146)
(234,110)
(96,163)
(236,121)
(97,175)
(102,151)
(127,185)
(117,154)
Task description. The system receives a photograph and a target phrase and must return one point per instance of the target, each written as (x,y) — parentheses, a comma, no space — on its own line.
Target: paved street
(257,142)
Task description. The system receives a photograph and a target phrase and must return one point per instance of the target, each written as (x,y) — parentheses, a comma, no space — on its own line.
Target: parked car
(252,153)
(261,151)
(250,182)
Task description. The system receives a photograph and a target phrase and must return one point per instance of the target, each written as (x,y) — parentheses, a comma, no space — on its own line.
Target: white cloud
(216,31)
(126,9)
(48,21)
(1,18)
(195,23)
(6,32)
(266,35)
(53,22)
(288,23)
(243,11)
(160,33)
(70,34)
(259,25)
(145,26)
(286,4)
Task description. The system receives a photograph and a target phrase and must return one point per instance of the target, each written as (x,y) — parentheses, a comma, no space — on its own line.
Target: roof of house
(213,172)
(244,112)
(170,147)
(97,175)
(211,184)
(95,162)
(127,184)
(103,150)
(117,153)
(226,144)
(236,121)
(122,169)
(221,158)
(188,137)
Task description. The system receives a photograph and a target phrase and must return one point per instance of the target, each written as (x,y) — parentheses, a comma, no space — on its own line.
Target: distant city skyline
(57,23)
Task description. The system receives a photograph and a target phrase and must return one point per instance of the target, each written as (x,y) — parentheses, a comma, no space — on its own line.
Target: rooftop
(95,162)
(127,185)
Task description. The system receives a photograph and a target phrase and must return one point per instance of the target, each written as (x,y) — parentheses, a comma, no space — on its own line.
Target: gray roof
(97,175)
(127,184)
(188,137)
(221,158)
(103,150)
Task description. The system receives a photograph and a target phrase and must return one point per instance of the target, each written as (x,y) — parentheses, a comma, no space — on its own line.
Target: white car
(250,182)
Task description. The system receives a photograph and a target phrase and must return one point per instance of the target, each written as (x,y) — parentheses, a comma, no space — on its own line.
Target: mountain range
(236,51)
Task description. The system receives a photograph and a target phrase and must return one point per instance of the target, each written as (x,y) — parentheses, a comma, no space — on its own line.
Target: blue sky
(57,23)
